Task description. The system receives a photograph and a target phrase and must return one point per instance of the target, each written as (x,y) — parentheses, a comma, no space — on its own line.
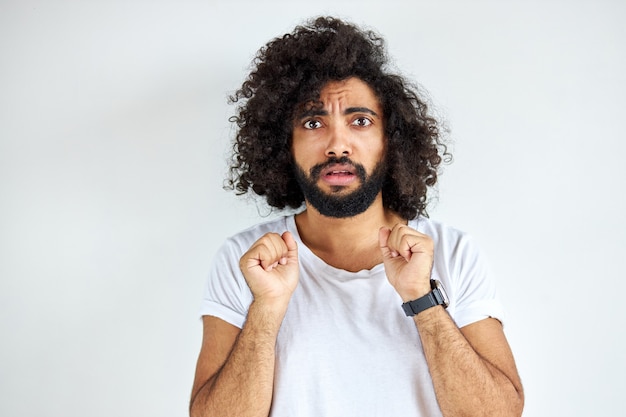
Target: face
(338,146)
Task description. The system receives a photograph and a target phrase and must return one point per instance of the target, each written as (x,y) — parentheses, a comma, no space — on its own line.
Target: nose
(339,142)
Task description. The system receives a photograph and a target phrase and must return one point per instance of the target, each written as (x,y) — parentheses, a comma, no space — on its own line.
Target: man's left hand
(408,259)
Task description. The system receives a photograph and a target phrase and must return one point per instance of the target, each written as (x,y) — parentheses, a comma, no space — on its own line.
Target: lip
(339,175)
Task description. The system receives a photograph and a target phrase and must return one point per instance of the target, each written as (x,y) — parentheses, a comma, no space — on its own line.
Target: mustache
(333,160)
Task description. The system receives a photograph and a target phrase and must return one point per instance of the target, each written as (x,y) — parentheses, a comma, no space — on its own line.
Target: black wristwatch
(437,297)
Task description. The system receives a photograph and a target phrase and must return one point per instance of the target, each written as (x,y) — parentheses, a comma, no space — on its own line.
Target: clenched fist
(271,269)
(408,259)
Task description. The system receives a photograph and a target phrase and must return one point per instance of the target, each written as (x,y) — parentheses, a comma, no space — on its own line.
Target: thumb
(290,242)
(383,238)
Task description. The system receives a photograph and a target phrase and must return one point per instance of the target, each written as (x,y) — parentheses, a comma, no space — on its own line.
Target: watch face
(436,284)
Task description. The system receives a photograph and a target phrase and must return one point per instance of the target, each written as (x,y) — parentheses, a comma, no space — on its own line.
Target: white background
(113,140)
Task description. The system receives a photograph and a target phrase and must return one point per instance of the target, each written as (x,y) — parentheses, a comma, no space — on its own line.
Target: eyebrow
(349,110)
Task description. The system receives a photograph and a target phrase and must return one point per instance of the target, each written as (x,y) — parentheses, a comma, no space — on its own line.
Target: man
(340,310)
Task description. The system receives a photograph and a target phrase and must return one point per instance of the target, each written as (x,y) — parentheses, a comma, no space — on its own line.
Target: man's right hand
(271,268)
(235,370)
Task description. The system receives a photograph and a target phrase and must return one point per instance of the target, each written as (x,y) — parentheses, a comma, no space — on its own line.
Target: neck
(348,243)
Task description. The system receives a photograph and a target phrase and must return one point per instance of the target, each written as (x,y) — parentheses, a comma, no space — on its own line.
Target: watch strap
(433,298)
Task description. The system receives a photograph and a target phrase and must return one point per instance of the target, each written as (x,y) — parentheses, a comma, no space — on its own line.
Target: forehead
(349,91)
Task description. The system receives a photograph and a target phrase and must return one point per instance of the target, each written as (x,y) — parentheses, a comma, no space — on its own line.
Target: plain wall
(114,135)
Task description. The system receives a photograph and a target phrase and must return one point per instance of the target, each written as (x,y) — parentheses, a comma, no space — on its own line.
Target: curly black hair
(289,72)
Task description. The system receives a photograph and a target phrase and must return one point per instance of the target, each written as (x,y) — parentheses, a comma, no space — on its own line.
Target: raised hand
(408,259)
(270,268)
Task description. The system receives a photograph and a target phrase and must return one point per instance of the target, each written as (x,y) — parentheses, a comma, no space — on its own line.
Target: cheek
(301,155)
(303,149)
(377,149)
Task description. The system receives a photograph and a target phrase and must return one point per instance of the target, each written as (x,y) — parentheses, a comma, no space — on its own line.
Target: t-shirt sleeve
(226,294)
(473,289)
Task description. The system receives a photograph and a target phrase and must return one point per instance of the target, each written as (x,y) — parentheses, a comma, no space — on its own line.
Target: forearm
(464,382)
(244,384)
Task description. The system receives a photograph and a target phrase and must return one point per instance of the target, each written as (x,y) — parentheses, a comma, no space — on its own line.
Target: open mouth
(339,174)
(335,170)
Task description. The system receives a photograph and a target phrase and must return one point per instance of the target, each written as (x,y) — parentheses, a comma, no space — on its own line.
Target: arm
(472,368)
(235,370)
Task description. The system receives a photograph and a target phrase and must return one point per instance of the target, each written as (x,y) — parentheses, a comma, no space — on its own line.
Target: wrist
(415,292)
(269,306)
(435,297)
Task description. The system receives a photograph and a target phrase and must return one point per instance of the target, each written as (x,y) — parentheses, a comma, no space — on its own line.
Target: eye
(312,124)
(362,122)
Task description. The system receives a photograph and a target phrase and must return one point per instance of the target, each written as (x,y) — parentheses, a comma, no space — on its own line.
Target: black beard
(341,206)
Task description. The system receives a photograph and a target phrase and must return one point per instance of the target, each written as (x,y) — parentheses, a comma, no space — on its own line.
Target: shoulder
(440,232)
(246,237)
(451,243)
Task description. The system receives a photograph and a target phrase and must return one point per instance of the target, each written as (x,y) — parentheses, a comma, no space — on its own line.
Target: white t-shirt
(345,347)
